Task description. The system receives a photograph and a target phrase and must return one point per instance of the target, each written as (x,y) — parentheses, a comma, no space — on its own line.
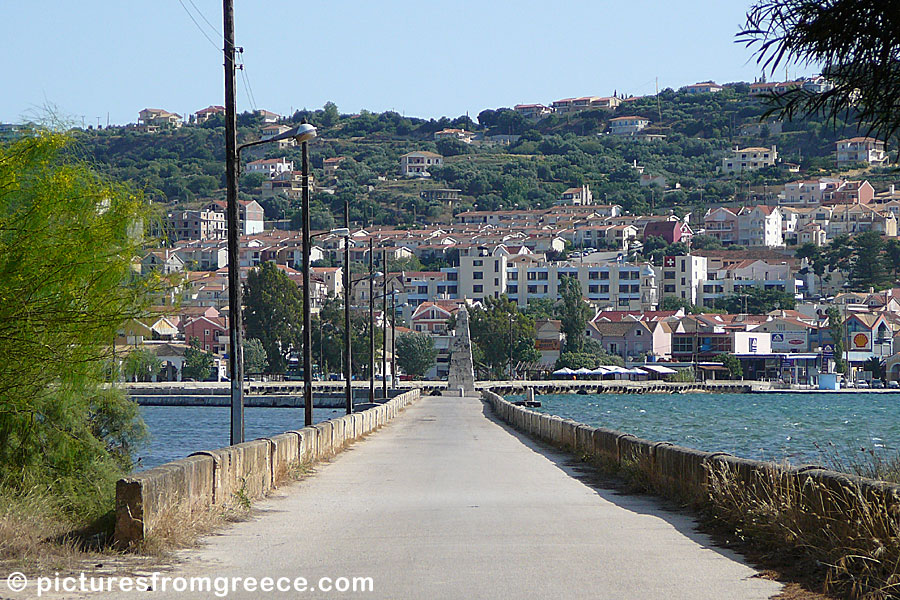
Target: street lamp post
(348,371)
(371,320)
(393,339)
(384,324)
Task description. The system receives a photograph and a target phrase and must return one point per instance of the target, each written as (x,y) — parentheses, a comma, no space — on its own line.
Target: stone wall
(687,473)
(244,471)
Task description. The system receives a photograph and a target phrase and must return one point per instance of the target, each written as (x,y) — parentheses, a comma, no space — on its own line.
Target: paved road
(445,502)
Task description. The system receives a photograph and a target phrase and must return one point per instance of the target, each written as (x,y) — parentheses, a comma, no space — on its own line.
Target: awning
(564,371)
(658,369)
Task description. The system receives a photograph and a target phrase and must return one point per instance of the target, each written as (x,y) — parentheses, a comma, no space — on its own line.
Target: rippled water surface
(177,431)
(760,426)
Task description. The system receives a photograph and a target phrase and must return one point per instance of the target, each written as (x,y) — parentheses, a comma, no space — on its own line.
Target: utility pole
(348,371)
(236,350)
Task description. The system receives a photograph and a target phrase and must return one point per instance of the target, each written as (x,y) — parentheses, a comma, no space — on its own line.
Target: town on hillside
(693,237)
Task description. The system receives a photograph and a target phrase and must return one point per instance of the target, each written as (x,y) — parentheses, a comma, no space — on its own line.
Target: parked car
(877,384)
(893,384)
(862,383)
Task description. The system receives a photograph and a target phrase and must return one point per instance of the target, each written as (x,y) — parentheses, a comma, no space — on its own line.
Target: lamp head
(302,133)
(340,232)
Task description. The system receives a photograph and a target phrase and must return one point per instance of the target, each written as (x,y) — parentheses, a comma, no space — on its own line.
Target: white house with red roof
(205,114)
(270,166)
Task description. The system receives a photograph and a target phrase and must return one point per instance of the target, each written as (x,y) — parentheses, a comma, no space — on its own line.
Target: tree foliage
(273,313)
(415,353)
(733,364)
(757,301)
(198,364)
(502,334)
(857,43)
(67,238)
(141,365)
(836,329)
(574,313)
(255,360)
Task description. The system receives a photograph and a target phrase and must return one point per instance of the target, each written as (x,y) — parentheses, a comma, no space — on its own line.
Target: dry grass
(854,541)
(182,527)
(36,535)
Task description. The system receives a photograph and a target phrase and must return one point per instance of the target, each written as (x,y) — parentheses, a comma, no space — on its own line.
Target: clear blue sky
(425,59)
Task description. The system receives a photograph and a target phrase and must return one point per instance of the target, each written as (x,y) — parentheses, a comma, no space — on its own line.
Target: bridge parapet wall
(688,473)
(223,477)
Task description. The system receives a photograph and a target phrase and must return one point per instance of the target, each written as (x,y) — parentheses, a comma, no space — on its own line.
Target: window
(477,275)
(543,275)
(669,275)
(669,289)
(683,345)
(206,332)
(682,281)
(512,275)
(513,289)
(477,263)
(594,275)
(532,289)
(477,288)
(452,290)
(623,289)
(496,266)
(532,276)
(604,274)
(604,289)
(496,282)
(451,276)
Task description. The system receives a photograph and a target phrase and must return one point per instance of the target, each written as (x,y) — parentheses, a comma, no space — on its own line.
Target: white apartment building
(743,160)
(860,150)
(489,273)
(627,125)
(616,285)
(807,192)
(734,279)
(682,277)
(760,226)
(577,196)
(534,112)
(416,164)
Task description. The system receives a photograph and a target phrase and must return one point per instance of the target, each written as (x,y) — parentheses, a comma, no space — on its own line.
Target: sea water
(800,428)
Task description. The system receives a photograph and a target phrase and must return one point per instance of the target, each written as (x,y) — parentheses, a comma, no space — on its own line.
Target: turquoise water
(758,426)
(177,431)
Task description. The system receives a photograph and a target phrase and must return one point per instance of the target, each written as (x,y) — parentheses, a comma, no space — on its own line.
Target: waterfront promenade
(446,502)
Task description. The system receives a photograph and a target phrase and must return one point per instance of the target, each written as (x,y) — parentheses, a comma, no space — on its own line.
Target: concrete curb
(245,471)
(689,472)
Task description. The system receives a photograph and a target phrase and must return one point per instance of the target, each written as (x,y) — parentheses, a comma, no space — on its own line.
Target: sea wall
(236,473)
(688,473)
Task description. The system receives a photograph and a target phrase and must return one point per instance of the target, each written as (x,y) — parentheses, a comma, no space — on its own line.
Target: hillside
(184,167)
